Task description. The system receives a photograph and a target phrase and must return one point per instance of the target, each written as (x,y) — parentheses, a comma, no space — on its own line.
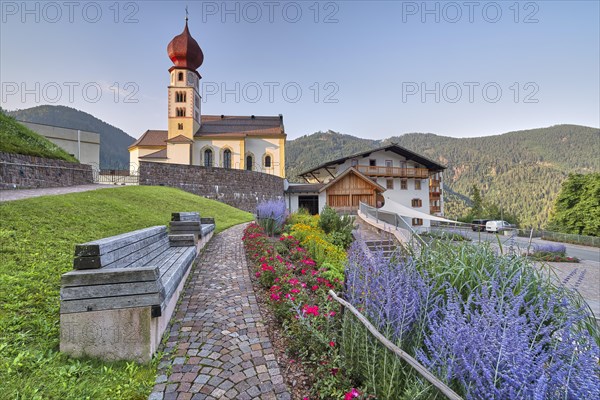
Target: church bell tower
(184,88)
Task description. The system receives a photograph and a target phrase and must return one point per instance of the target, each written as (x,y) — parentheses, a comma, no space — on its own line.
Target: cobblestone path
(218,348)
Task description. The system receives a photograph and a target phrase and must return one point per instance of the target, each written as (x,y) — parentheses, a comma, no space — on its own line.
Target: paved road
(573,250)
(20,194)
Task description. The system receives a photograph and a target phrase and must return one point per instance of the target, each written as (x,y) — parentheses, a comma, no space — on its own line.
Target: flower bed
(551,253)
(297,288)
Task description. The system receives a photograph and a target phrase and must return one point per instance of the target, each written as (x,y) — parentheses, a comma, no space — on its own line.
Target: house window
(403,184)
(180,97)
(267,161)
(372,163)
(180,112)
(389,183)
(389,163)
(180,76)
(417,184)
(180,126)
(227,158)
(416,203)
(417,222)
(249,163)
(208,158)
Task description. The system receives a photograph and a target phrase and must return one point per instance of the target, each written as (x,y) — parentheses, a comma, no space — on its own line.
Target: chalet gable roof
(358,174)
(409,155)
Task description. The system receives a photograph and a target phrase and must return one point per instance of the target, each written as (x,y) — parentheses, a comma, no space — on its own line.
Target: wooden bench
(117,302)
(192,223)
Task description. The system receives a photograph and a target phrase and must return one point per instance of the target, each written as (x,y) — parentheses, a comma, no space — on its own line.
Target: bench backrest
(185,216)
(128,250)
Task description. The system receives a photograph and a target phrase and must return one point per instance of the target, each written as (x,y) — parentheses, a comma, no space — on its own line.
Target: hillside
(37,238)
(17,138)
(113,141)
(520,171)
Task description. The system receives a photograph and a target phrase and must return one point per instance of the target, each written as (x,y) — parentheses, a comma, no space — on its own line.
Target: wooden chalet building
(405,177)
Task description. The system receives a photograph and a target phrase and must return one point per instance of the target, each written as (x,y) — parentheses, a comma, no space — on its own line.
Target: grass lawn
(37,239)
(17,138)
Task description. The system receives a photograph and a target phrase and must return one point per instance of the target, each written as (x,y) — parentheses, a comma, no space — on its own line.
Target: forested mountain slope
(519,171)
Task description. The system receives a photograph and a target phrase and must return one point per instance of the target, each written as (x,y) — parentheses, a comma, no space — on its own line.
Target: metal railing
(396,221)
(593,241)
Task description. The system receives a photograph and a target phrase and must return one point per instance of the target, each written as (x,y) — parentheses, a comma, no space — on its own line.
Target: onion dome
(184,51)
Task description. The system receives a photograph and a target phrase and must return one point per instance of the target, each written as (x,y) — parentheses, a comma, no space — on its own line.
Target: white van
(497,226)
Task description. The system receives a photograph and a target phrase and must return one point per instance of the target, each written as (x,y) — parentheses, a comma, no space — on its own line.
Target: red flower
(311,310)
(314,288)
(351,394)
(332,343)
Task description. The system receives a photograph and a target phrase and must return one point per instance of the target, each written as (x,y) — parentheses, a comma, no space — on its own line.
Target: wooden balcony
(393,172)
(435,209)
(435,195)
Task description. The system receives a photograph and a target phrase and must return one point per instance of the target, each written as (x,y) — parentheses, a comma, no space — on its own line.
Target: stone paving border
(217,346)
(20,194)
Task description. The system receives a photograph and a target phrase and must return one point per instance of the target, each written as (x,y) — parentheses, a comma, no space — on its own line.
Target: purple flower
(271,215)
(560,249)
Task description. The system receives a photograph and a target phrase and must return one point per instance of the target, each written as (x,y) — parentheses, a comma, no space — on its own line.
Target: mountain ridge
(113,141)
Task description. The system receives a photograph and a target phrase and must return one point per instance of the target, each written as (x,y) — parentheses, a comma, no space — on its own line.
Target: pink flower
(293,282)
(332,314)
(258,274)
(311,310)
(332,343)
(315,287)
(295,290)
(351,394)
(275,296)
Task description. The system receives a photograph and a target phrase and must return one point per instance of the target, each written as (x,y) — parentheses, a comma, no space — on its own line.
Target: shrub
(340,228)
(271,216)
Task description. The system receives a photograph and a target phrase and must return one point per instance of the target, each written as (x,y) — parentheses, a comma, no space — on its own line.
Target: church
(254,143)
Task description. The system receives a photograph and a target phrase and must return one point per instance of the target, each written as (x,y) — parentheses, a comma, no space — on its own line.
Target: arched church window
(180,112)
(180,97)
(180,76)
(180,126)
(208,158)
(227,158)
(249,163)
(267,161)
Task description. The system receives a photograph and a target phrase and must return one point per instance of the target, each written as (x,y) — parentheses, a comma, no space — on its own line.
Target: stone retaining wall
(238,188)
(18,171)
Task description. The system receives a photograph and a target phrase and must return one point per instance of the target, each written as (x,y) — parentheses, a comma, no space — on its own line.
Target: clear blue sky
(370,69)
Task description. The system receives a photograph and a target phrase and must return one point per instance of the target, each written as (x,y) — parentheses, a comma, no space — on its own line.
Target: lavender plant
(559,249)
(393,295)
(271,215)
(497,344)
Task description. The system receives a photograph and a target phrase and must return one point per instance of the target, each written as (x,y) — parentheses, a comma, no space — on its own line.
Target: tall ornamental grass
(490,326)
